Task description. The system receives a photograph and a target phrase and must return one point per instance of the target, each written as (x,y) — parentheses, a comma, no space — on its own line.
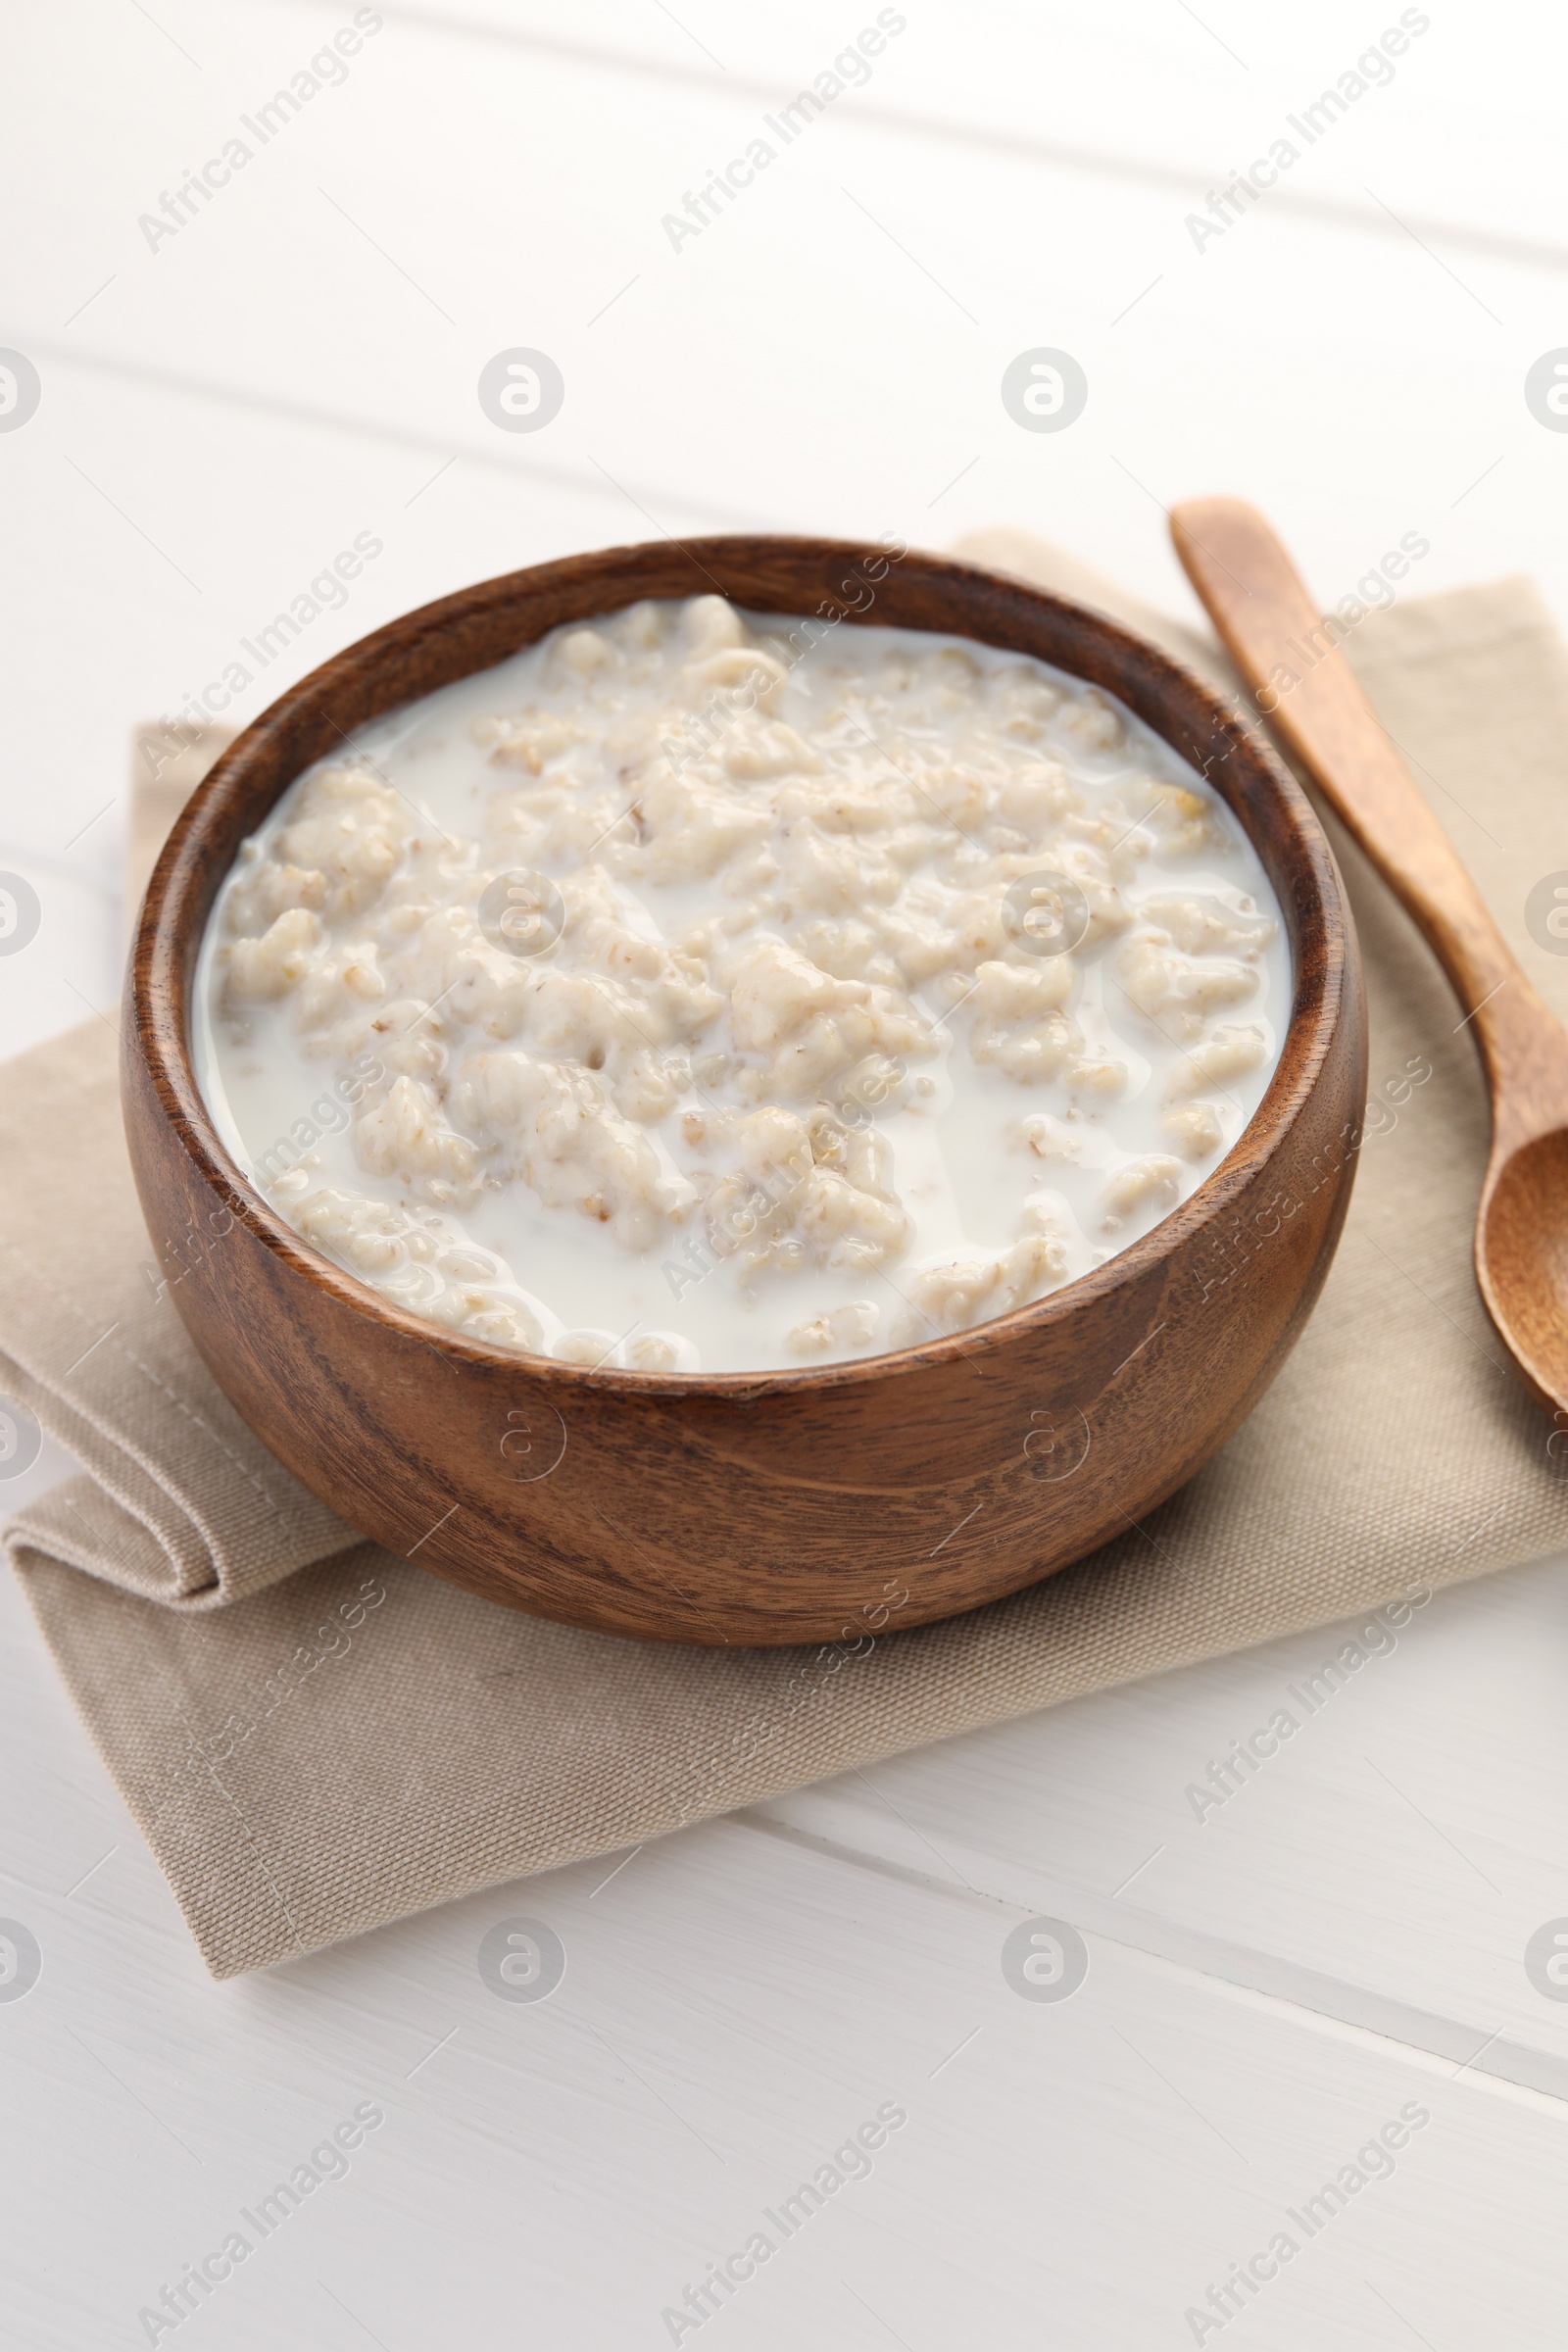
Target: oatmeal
(701,990)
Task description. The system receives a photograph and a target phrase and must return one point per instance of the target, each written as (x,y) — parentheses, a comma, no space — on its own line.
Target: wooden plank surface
(1272,1975)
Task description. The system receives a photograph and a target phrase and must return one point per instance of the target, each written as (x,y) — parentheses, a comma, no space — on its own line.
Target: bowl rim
(167,944)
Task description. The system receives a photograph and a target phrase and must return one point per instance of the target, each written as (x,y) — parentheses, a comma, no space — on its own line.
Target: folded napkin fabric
(316,1737)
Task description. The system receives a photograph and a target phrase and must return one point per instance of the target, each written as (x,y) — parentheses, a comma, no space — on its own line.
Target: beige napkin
(316,1737)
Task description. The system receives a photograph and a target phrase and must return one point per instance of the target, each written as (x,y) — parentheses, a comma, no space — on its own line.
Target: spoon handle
(1286,655)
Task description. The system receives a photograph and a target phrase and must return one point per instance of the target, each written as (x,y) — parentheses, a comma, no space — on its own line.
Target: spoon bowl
(1522,1260)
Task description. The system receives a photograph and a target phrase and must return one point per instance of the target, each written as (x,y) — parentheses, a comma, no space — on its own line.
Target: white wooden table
(225,405)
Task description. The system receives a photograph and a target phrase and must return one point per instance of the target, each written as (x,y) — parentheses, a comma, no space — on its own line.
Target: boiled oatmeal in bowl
(703,990)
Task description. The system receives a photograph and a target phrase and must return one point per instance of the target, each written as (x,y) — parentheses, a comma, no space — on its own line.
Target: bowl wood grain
(788,1506)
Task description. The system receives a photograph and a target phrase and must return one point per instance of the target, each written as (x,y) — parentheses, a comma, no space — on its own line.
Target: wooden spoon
(1272,630)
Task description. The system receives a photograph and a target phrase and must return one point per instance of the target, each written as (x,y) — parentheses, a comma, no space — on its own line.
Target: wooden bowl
(782,1507)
